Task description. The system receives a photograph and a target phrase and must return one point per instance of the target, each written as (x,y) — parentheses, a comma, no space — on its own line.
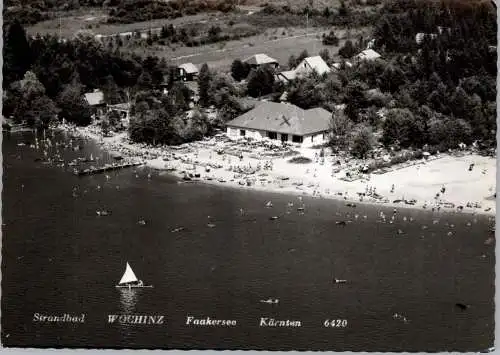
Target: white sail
(128,276)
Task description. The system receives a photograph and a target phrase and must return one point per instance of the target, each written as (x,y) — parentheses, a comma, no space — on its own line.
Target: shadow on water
(128,300)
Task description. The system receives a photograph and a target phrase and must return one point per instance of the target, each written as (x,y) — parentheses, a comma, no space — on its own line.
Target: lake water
(59,257)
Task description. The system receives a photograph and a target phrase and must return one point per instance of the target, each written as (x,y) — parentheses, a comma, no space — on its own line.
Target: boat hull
(132,286)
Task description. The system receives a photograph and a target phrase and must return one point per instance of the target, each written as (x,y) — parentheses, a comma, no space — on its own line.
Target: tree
(348,50)
(392,78)
(260,81)
(355,99)
(144,82)
(17,57)
(340,126)
(32,104)
(331,39)
(449,133)
(292,62)
(403,128)
(325,55)
(371,117)
(194,128)
(204,85)
(303,55)
(213,33)
(180,96)
(73,107)
(305,93)
(460,103)
(112,94)
(153,127)
(239,70)
(343,11)
(361,141)
(438,99)
(333,88)
(105,126)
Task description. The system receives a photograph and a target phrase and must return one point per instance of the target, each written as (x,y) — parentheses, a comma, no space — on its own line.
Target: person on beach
(392,188)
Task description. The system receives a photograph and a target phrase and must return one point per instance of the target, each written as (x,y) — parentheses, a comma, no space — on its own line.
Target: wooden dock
(108,167)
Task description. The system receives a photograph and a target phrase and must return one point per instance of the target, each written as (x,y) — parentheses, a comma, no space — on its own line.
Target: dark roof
(284,118)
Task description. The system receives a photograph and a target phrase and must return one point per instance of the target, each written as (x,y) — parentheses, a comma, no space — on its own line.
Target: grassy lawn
(97,20)
(296,3)
(273,42)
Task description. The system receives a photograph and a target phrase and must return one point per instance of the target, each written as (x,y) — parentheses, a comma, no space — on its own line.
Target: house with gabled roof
(312,64)
(260,59)
(282,122)
(306,67)
(188,71)
(368,54)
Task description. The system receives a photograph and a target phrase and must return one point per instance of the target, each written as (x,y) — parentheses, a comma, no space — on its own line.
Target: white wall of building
(234,132)
(308,140)
(315,139)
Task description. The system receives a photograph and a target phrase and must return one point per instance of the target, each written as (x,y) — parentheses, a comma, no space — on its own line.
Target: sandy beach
(265,166)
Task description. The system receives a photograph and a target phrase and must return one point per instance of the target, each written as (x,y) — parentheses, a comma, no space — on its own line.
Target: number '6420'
(335,323)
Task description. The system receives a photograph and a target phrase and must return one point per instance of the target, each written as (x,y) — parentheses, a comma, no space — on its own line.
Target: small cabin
(187,72)
(96,102)
(261,59)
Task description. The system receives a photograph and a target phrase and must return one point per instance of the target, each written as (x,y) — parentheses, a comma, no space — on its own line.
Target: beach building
(368,54)
(96,101)
(258,60)
(306,67)
(188,71)
(123,110)
(282,122)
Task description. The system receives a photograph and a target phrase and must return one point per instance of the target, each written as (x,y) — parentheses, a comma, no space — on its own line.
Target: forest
(128,11)
(440,92)
(434,93)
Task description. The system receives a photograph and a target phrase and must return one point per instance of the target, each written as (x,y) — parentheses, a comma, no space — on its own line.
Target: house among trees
(123,110)
(258,60)
(188,72)
(96,101)
(283,122)
(368,54)
(310,65)
(306,67)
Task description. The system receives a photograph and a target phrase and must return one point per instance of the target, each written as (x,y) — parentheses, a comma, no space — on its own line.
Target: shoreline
(204,162)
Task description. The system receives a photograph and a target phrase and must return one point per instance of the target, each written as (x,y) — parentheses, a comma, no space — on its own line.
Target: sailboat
(129,280)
